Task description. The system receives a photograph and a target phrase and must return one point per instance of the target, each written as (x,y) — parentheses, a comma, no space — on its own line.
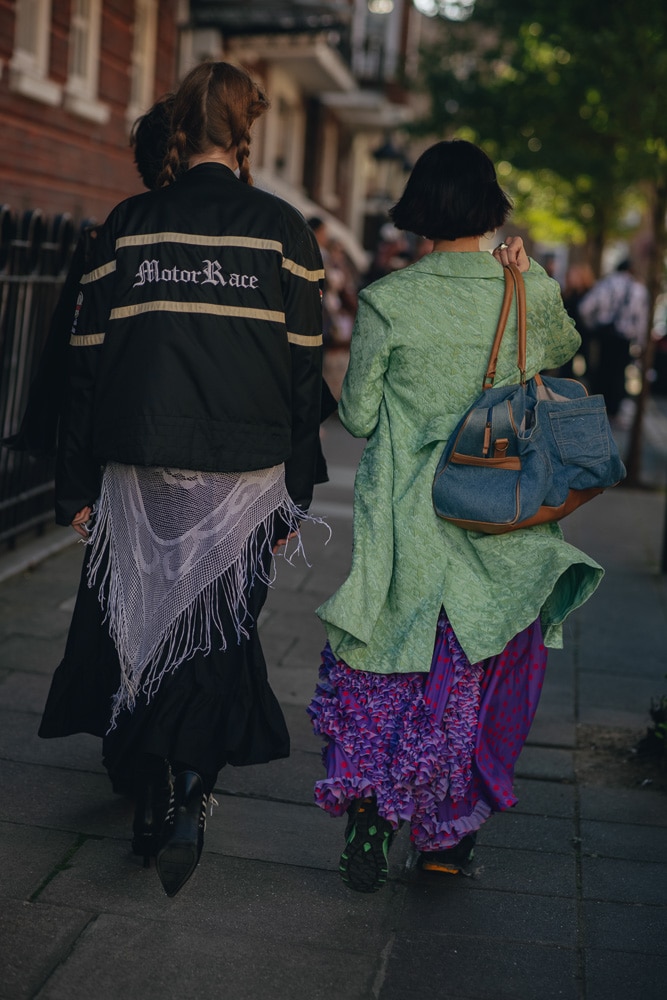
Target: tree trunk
(596,244)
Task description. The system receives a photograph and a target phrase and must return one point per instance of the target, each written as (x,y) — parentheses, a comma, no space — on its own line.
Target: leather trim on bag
(544,515)
(509,462)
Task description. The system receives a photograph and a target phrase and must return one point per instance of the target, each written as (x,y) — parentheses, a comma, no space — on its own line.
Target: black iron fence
(34,255)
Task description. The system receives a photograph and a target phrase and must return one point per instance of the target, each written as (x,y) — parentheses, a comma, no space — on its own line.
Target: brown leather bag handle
(514,287)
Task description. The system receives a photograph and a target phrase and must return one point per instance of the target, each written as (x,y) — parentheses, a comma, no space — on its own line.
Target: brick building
(74,75)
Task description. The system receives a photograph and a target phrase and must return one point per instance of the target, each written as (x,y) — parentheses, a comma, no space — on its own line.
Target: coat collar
(203,171)
(473,264)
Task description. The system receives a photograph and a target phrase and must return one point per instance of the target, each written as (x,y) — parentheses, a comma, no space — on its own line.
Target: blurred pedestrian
(616,314)
(435,658)
(340,306)
(392,253)
(190,438)
(550,265)
(321,233)
(659,335)
(342,285)
(579,279)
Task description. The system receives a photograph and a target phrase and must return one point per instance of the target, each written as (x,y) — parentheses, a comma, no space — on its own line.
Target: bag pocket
(463,491)
(580,432)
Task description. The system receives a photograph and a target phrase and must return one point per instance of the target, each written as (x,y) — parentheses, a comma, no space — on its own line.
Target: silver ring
(502,246)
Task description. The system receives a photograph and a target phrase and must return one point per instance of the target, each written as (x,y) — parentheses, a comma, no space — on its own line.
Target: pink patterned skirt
(437,750)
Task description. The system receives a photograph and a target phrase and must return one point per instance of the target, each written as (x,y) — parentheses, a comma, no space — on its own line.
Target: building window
(329,163)
(285,130)
(29,66)
(284,112)
(142,79)
(84,60)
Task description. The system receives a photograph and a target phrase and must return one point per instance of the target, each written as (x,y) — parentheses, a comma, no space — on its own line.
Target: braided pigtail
(243,160)
(256,107)
(173,160)
(214,108)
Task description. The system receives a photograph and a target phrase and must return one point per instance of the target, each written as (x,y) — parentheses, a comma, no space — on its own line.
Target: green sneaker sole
(364,864)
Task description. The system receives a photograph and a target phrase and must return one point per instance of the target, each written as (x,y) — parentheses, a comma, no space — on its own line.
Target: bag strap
(514,287)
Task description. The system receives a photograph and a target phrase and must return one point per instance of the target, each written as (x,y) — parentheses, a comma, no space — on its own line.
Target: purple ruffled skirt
(436,750)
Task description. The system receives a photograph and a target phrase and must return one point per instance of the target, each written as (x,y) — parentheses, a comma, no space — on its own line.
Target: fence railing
(34,256)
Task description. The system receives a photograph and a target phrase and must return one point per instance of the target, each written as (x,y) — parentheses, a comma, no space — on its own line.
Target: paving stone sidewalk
(569,896)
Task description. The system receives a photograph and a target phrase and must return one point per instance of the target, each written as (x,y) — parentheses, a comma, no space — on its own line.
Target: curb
(29,554)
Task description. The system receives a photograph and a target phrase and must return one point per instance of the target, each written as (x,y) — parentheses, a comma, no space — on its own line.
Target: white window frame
(142,67)
(329,166)
(84,61)
(29,65)
(284,137)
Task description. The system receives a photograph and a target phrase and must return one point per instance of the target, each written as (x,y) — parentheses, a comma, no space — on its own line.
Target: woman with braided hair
(187,459)
(213,113)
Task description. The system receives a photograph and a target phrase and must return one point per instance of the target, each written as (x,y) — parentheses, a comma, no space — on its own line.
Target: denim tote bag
(528,453)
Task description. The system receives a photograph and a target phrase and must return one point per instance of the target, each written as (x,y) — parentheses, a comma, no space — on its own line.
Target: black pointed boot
(151,802)
(183,837)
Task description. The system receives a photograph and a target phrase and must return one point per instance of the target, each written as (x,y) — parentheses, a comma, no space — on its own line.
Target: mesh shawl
(170,545)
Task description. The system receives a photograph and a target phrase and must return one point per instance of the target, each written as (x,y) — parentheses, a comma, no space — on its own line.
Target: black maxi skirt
(214,709)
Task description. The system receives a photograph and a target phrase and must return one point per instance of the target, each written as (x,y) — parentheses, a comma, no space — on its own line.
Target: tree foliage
(559,86)
(568,99)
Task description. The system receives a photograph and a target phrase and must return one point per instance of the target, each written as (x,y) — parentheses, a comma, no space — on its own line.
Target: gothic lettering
(213,272)
(151,271)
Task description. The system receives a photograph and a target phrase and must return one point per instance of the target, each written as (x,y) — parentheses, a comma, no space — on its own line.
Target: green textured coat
(419,352)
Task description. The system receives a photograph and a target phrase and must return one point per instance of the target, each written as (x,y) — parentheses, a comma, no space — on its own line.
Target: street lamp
(390,160)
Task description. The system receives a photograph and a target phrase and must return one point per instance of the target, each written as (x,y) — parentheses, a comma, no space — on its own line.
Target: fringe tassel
(195,628)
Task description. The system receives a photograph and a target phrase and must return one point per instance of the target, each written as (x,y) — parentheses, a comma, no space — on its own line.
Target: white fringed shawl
(172,545)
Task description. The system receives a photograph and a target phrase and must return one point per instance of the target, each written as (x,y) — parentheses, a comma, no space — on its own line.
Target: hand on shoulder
(512,251)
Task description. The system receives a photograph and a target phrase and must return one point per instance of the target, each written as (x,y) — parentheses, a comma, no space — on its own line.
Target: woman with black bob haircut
(452,192)
(436,641)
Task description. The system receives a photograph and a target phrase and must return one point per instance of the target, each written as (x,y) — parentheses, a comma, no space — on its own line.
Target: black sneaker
(364,862)
(453,861)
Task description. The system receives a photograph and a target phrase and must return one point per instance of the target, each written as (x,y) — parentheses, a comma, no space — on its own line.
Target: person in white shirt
(616,311)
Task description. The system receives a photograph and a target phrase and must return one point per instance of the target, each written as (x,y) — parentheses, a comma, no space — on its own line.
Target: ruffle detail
(460,711)
(385,733)
(426,745)
(432,834)
(382,736)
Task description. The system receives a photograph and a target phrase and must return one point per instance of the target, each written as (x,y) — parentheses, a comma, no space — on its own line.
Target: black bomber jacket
(197,342)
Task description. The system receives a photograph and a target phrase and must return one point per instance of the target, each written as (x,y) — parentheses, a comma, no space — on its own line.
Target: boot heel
(148,850)
(151,803)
